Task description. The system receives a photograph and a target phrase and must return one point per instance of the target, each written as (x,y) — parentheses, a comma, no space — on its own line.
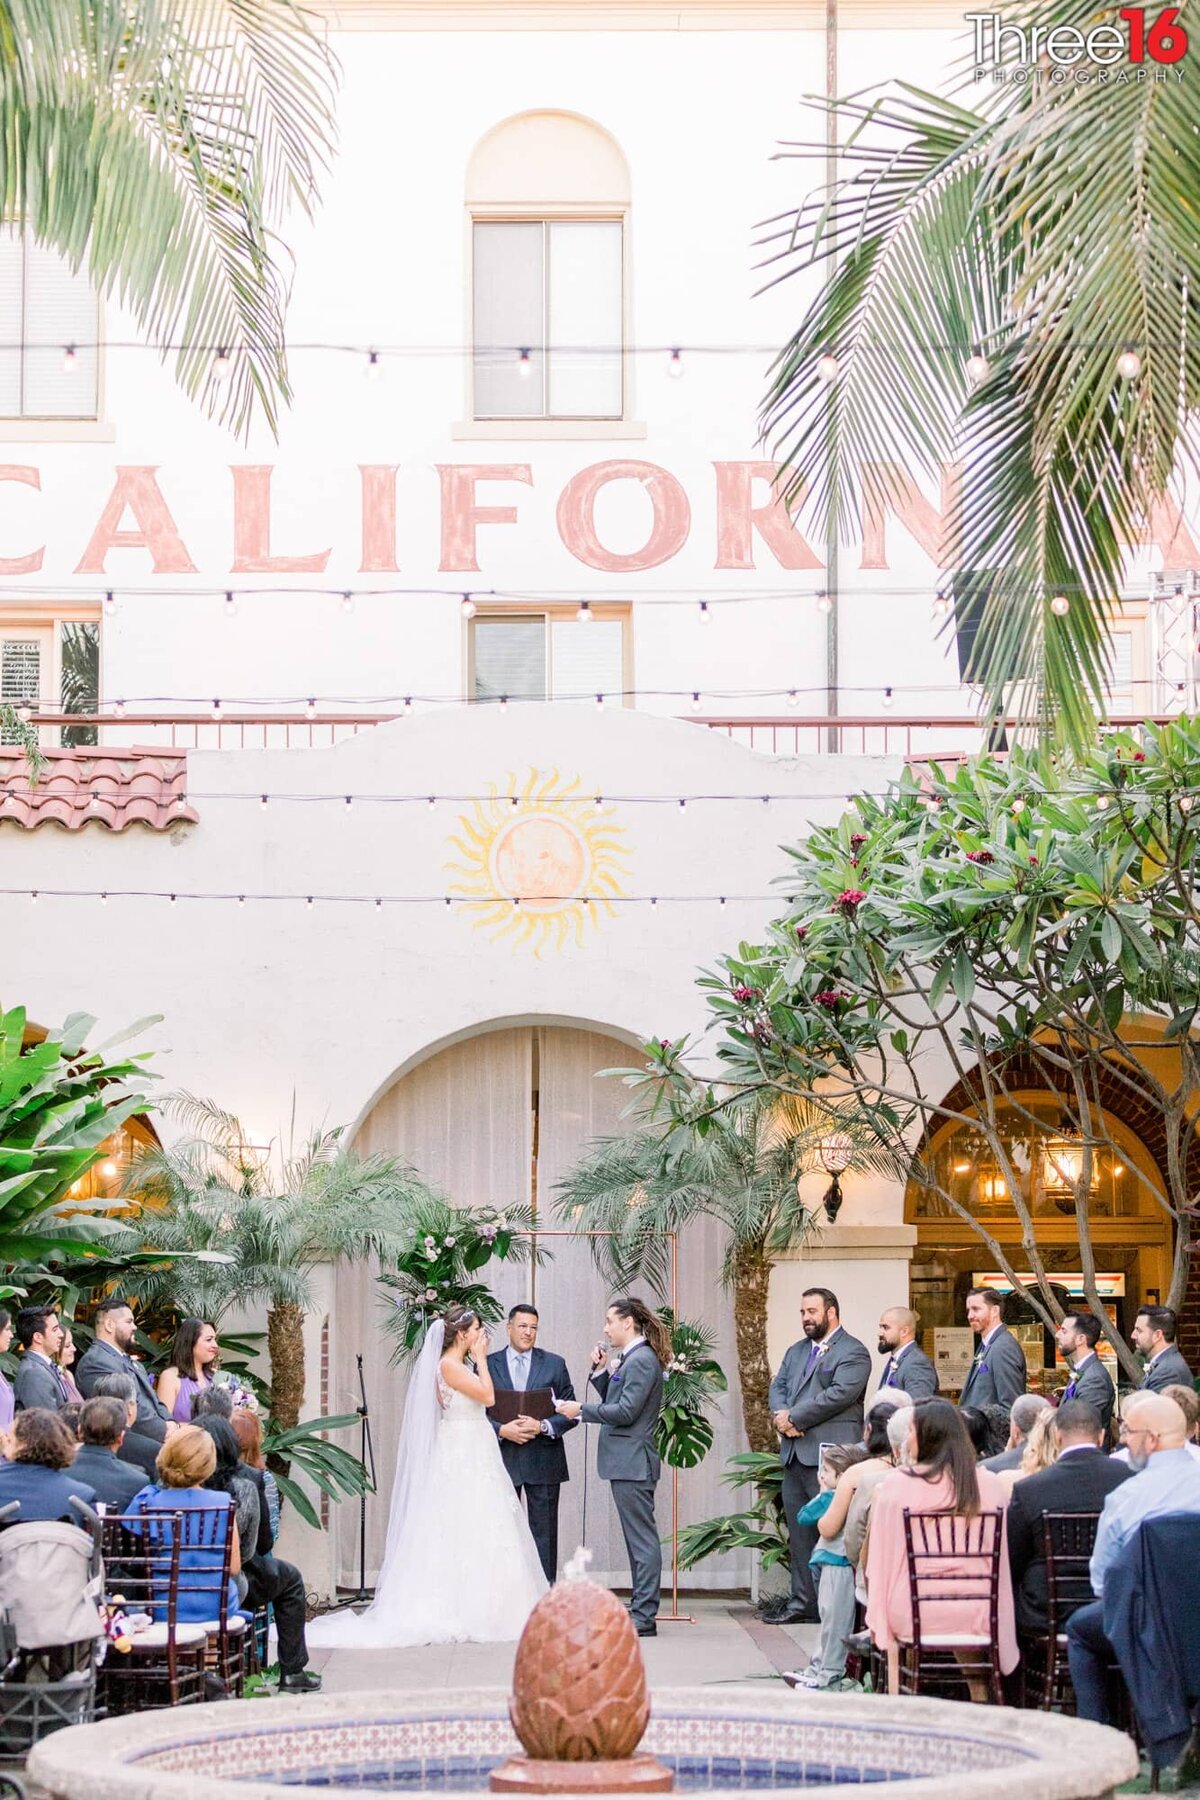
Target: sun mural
(539,864)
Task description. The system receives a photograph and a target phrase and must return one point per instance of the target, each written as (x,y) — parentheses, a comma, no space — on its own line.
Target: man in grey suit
(1153,1336)
(908,1370)
(816,1398)
(109,1355)
(627,1414)
(39,1381)
(1090,1381)
(998,1373)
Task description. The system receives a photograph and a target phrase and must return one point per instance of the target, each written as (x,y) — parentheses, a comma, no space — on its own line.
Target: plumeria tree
(977,933)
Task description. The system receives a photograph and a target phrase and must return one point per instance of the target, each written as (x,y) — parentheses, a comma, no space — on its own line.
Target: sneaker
(801,1678)
(303,1681)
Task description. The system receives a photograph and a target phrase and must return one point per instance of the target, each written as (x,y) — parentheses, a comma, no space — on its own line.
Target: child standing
(835,1587)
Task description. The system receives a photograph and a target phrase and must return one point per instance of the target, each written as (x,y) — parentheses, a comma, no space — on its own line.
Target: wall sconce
(836,1153)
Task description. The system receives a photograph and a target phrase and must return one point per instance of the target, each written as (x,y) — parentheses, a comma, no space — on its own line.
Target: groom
(627,1414)
(533,1452)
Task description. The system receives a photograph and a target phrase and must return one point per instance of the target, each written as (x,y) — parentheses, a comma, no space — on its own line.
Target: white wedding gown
(461,1565)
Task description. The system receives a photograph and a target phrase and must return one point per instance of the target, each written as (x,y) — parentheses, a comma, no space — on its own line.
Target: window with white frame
(1127,689)
(548,316)
(49,319)
(51,665)
(549,655)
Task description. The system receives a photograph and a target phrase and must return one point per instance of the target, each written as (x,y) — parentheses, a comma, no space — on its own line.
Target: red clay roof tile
(112,788)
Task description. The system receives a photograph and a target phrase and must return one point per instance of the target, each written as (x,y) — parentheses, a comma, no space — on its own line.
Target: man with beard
(908,1370)
(816,1398)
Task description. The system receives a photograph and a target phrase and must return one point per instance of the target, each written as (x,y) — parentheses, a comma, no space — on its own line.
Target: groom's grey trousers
(627,1414)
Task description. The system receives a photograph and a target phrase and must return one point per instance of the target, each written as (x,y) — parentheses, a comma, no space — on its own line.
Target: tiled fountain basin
(716,1738)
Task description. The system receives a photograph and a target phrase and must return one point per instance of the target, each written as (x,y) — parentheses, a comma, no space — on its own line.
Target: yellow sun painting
(539,864)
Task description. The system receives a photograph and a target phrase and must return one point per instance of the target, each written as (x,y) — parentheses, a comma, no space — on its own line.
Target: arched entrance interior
(499,1119)
(1131,1235)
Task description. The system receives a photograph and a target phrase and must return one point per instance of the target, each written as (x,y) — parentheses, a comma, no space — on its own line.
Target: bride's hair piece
(649,1324)
(457,1320)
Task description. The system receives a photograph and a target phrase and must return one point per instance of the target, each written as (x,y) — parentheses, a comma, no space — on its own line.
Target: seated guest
(1188,1402)
(185,1462)
(943,1477)
(194,1358)
(1027,1409)
(39,1381)
(279,1584)
(980,1431)
(226,1479)
(1167,1480)
(212,1403)
(137,1448)
(858,1520)
(1078,1482)
(8,1405)
(102,1427)
(65,1361)
(69,1414)
(1038,1452)
(865,1473)
(40,1453)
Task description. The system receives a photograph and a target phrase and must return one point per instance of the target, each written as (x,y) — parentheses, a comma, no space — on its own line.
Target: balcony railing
(790,734)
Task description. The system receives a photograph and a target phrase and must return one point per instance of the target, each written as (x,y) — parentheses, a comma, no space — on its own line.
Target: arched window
(548,199)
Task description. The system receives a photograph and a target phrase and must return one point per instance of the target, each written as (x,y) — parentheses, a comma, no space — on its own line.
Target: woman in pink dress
(943,1477)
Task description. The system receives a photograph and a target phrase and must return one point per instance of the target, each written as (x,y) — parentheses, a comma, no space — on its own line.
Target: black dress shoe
(303,1681)
(796,1615)
(650,1630)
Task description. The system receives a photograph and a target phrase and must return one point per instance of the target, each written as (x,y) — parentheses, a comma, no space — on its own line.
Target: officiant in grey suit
(533,1449)
(627,1414)
(816,1398)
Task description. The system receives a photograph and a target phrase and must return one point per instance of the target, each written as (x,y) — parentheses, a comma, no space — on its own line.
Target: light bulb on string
(104,899)
(347,602)
(221,367)
(705,613)
(119,709)
(466,607)
(888,697)
(524,362)
(33,898)
(675,363)
(824,602)
(793,698)
(230,604)
(70,360)
(599,702)
(263,802)
(584,615)
(431,803)
(1060,606)
(696,702)
(215,709)
(504,703)
(374,368)
(110,604)
(977,367)
(1129,364)
(941,606)
(827,367)
(310,711)
(408,706)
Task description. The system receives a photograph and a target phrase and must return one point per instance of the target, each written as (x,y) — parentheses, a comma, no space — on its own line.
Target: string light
(70,360)
(504,703)
(221,367)
(824,602)
(263,802)
(599,702)
(216,709)
(374,368)
(230,603)
(828,367)
(696,702)
(110,604)
(310,711)
(705,616)
(408,706)
(675,363)
(119,709)
(977,367)
(1129,364)
(888,697)
(941,606)
(347,602)
(33,898)
(467,607)
(584,615)
(793,698)
(524,363)
(1060,606)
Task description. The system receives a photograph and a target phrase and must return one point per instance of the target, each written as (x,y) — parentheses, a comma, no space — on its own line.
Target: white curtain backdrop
(466,1119)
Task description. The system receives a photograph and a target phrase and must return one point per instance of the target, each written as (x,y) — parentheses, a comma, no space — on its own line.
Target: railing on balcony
(929,737)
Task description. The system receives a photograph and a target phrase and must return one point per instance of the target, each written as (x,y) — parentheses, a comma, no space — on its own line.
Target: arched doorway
(499,1118)
(1131,1236)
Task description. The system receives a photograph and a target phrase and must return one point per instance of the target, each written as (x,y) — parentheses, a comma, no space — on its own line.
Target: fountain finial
(576,1569)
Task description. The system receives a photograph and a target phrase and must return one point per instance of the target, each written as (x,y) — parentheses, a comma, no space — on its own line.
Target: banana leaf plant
(761,1527)
(684,1435)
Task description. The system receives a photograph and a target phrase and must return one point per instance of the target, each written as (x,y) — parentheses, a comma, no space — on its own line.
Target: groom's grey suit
(627,1414)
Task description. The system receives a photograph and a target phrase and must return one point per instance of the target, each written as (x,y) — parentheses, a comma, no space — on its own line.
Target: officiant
(532,1448)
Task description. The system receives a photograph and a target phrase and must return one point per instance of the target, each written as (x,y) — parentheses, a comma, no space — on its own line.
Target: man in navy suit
(533,1450)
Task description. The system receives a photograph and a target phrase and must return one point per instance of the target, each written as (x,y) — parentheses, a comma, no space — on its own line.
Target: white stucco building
(438,927)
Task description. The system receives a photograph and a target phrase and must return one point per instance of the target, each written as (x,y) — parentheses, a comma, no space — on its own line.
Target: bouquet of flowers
(244,1398)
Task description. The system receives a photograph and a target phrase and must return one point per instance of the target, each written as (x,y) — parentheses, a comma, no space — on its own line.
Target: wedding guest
(212,1402)
(979,1430)
(1153,1337)
(226,1479)
(39,1381)
(8,1405)
(835,1589)
(109,1354)
(943,1477)
(1038,1452)
(1077,1338)
(102,1426)
(69,1414)
(185,1462)
(271,1581)
(858,1521)
(1079,1481)
(863,1473)
(533,1449)
(38,1472)
(137,1448)
(194,1358)
(907,1368)
(1188,1401)
(998,1371)
(65,1359)
(1027,1409)
(817,1397)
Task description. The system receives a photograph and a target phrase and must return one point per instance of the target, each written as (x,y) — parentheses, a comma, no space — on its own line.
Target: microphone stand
(366,1455)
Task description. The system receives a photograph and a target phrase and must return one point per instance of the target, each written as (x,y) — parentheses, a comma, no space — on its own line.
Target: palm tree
(1014,288)
(161,143)
(738,1162)
(271,1219)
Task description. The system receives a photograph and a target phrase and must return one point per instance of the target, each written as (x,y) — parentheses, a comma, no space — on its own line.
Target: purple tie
(813,1354)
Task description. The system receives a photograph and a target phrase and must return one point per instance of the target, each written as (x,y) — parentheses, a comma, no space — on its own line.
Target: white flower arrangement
(244,1398)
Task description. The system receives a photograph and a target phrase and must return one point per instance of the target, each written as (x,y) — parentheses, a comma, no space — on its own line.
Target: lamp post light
(836,1153)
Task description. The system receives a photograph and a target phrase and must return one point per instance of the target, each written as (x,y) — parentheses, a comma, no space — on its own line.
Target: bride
(460,1564)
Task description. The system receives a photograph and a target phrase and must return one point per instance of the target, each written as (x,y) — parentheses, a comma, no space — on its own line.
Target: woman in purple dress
(193,1361)
(7,1407)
